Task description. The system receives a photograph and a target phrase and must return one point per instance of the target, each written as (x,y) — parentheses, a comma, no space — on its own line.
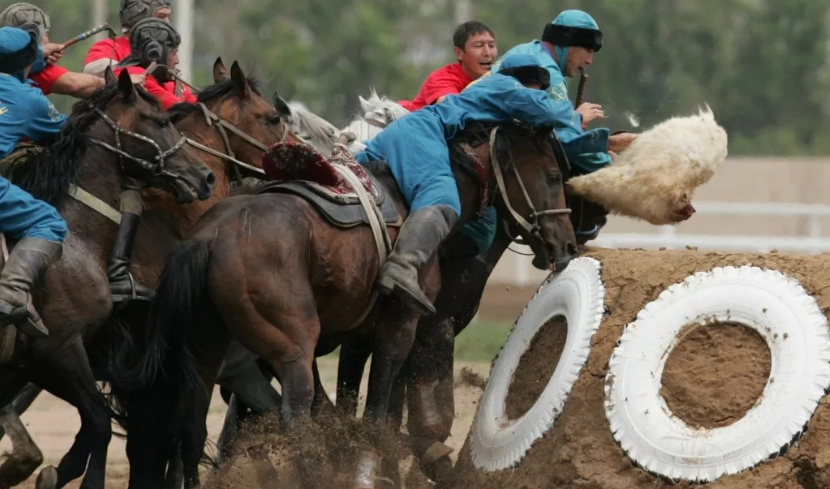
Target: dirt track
(53,424)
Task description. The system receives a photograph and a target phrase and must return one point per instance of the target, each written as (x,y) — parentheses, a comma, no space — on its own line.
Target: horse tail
(162,375)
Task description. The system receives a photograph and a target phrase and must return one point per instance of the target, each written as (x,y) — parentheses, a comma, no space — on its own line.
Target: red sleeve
(46,79)
(164,96)
(102,49)
(439,83)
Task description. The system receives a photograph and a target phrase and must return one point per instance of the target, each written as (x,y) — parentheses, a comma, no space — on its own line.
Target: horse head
(530,185)
(131,125)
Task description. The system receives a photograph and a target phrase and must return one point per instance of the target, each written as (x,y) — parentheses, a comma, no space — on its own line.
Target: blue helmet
(526,69)
(572,28)
(18,49)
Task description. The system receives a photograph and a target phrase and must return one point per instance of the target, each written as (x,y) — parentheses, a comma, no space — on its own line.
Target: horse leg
(23,401)
(350,366)
(394,337)
(321,404)
(174,479)
(297,393)
(26,457)
(67,375)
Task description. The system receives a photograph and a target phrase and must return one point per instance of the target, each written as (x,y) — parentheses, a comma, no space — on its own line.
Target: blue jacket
(415,146)
(24,113)
(569,126)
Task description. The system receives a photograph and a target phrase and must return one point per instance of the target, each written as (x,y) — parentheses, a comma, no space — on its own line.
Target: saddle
(297,168)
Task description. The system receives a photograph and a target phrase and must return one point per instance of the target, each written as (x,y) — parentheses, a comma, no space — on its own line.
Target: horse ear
(281,105)
(240,81)
(109,77)
(220,72)
(125,84)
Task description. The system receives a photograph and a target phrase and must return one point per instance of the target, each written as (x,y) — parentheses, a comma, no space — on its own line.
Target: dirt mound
(580,451)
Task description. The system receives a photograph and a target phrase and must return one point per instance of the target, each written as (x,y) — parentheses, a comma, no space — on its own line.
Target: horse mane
(181,110)
(48,174)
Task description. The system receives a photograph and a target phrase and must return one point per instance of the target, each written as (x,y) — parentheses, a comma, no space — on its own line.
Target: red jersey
(103,49)
(164,93)
(47,78)
(449,80)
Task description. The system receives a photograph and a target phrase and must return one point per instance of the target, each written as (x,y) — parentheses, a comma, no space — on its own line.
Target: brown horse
(119,130)
(426,378)
(271,271)
(232,120)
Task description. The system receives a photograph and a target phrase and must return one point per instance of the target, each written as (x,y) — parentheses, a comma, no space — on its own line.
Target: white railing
(669,238)
(524,274)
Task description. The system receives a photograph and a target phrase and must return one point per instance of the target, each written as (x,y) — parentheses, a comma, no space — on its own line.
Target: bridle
(156,167)
(222,126)
(532,227)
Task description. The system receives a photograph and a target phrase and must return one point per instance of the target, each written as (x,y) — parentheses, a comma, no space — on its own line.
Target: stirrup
(133,295)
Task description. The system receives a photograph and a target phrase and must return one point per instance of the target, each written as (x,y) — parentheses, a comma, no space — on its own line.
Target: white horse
(378,112)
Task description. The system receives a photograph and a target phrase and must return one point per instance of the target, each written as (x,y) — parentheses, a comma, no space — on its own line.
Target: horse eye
(163,122)
(554,178)
(274,118)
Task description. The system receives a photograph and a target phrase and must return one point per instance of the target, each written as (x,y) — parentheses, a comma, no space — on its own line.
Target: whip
(86,35)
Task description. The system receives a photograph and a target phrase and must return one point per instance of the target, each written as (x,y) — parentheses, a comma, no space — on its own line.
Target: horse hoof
(47,479)
(368,467)
(436,451)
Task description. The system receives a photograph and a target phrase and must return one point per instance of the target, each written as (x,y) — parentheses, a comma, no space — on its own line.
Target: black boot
(122,284)
(421,235)
(27,261)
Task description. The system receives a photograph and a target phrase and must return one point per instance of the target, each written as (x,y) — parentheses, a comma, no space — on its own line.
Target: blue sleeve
(44,119)
(535,107)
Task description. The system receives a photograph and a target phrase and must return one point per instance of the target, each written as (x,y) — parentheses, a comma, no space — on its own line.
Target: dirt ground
(53,424)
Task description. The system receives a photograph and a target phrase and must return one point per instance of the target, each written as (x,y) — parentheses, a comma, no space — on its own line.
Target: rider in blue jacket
(416,149)
(25,113)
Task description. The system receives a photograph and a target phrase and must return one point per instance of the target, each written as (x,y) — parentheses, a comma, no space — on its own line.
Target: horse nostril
(210,179)
(571,249)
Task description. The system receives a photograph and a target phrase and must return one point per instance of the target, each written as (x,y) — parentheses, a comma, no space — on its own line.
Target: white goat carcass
(655,178)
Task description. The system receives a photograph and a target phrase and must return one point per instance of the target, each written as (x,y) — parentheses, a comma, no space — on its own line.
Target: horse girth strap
(520,220)
(376,223)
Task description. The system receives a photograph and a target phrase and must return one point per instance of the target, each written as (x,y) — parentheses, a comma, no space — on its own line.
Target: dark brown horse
(118,130)
(426,381)
(269,270)
(249,123)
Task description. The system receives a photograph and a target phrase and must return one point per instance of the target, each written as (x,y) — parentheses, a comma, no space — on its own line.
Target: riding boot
(124,287)
(421,235)
(27,261)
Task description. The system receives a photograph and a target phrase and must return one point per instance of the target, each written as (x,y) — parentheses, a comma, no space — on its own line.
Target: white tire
(577,294)
(773,305)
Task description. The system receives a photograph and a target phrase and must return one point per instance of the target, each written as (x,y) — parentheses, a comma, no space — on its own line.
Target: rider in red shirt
(48,76)
(154,40)
(475,50)
(108,52)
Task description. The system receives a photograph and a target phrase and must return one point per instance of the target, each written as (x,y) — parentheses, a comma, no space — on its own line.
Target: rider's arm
(536,108)
(59,80)
(165,98)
